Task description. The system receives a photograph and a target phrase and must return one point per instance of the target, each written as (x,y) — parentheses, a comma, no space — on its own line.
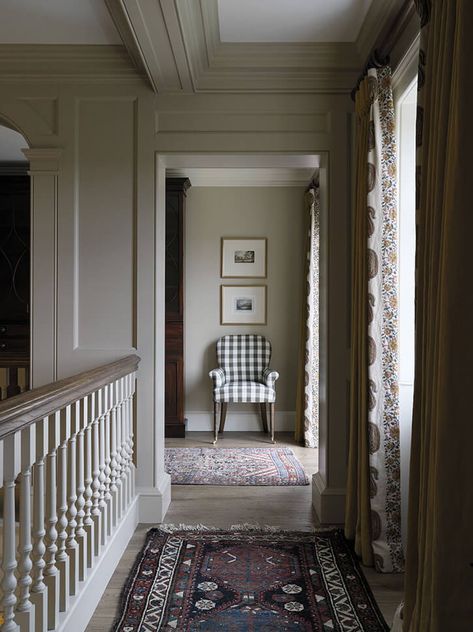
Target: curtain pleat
(307,405)
(439,569)
(373,488)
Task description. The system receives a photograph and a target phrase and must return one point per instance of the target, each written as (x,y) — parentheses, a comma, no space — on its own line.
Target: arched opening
(15,275)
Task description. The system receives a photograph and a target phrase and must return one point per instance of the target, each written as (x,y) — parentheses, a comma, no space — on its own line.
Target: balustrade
(68,447)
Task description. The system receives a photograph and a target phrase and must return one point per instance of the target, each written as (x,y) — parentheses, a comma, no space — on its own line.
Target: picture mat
(244,258)
(242,305)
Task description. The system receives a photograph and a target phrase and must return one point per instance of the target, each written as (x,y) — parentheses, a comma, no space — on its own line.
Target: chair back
(243,357)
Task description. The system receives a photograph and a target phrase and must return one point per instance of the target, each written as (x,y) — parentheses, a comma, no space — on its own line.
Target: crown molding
(235,177)
(177,44)
(66,61)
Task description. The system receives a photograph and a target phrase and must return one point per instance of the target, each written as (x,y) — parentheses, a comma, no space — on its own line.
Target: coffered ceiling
(209,45)
(186,46)
(291,20)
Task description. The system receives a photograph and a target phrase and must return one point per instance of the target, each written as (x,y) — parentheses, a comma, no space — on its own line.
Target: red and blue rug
(247,581)
(234,466)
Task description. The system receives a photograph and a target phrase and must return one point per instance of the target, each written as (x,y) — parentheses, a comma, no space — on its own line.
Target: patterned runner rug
(247,581)
(234,466)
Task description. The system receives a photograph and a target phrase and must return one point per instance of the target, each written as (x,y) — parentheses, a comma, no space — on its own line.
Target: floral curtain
(373,489)
(307,422)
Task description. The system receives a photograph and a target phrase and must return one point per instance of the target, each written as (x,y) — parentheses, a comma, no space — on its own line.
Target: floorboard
(287,507)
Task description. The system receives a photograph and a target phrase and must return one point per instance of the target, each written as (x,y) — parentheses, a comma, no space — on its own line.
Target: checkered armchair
(243,375)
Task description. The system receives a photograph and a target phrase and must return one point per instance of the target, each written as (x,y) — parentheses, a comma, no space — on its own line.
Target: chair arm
(270,377)
(218,377)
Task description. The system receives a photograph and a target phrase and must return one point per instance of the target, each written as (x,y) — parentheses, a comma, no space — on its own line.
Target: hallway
(219,506)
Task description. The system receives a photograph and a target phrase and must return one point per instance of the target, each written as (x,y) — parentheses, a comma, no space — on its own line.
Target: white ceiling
(291,20)
(243,170)
(56,22)
(11,144)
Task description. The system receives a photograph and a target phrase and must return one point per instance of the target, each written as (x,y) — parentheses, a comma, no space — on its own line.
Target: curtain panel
(439,565)
(307,413)
(373,486)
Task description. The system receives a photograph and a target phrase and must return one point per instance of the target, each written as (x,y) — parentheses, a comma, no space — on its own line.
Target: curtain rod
(387,40)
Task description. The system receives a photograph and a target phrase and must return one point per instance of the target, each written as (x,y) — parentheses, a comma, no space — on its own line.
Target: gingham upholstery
(244,392)
(243,374)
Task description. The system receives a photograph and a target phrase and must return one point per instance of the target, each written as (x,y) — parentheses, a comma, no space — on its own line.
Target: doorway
(212,172)
(15,276)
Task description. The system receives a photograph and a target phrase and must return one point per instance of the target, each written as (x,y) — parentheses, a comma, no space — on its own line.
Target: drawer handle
(3,330)
(3,345)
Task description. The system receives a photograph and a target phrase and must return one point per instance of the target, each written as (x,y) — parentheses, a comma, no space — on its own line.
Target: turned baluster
(102,411)
(113,462)
(116,386)
(89,525)
(96,513)
(51,572)
(11,467)
(108,469)
(62,558)
(129,429)
(38,587)
(125,453)
(124,444)
(81,534)
(24,609)
(72,546)
(132,378)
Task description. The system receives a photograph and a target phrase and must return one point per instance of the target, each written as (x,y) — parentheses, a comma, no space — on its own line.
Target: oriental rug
(234,466)
(247,580)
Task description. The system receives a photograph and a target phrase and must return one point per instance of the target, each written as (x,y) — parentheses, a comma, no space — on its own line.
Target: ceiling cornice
(66,61)
(254,177)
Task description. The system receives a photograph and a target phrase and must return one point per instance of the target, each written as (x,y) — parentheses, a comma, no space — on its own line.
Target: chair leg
(216,412)
(271,421)
(223,417)
(264,417)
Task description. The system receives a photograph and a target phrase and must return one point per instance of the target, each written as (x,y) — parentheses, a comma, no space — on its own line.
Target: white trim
(82,606)
(328,502)
(239,421)
(406,70)
(154,501)
(268,177)
(37,62)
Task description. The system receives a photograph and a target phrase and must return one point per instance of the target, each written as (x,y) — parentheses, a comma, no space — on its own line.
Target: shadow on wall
(204,383)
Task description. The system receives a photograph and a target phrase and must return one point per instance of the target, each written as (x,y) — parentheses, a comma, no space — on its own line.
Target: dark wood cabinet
(176,189)
(14,283)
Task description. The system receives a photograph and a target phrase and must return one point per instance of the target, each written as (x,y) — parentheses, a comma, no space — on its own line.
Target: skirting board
(239,421)
(83,605)
(328,502)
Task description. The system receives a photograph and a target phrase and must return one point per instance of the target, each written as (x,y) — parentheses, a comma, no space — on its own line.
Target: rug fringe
(243,527)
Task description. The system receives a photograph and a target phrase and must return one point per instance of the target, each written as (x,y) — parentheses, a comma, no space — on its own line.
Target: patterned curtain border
(311,369)
(383,396)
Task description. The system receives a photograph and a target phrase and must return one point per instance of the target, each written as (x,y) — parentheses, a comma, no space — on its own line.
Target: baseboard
(239,421)
(82,606)
(328,502)
(154,501)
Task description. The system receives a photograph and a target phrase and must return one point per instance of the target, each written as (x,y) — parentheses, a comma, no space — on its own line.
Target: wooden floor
(286,507)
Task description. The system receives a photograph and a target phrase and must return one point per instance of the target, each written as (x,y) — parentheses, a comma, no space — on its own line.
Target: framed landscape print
(243,305)
(244,257)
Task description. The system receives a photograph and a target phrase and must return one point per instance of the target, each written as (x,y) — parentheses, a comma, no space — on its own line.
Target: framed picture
(244,257)
(243,305)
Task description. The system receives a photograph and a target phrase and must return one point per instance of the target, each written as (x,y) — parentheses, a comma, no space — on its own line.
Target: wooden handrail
(25,409)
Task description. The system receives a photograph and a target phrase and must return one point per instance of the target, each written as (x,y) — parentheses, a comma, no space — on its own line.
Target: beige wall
(99,225)
(213,213)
